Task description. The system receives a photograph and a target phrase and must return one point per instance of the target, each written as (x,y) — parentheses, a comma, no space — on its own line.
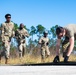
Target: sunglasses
(8,17)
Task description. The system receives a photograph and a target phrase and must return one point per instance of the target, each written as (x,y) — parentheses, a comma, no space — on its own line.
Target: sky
(45,12)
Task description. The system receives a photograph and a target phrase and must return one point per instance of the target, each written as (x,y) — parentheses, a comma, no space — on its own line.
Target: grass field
(30,59)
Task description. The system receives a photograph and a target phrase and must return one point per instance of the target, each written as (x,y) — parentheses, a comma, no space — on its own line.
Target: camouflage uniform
(20,36)
(44,46)
(71,31)
(7,32)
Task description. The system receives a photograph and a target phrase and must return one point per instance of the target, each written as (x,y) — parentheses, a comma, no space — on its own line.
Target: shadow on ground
(70,63)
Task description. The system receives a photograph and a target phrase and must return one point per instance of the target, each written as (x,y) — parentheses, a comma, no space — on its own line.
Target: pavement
(40,69)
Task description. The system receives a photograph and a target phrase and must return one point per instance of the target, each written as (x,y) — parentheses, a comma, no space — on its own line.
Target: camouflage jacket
(44,41)
(7,30)
(21,35)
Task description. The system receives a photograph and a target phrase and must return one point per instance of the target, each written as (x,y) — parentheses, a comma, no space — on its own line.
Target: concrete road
(37,70)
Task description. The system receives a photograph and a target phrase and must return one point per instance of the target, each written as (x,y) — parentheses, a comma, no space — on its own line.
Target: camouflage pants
(6,50)
(21,48)
(65,46)
(45,51)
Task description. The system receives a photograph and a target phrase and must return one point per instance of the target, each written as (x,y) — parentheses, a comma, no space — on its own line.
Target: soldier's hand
(43,42)
(66,59)
(23,41)
(23,36)
(56,59)
(47,43)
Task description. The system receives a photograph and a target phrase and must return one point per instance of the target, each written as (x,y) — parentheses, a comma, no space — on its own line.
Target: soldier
(7,32)
(20,34)
(69,33)
(44,42)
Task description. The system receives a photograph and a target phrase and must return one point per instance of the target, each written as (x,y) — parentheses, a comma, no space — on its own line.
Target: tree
(31,42)
(32,31)
(53,31)
(15,26)
(40,30)
(26,28)
(53,35)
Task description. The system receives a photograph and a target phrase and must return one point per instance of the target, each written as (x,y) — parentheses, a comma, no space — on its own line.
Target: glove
(47,44)
(66,59)
(56,59)
(23,36)
(23,41)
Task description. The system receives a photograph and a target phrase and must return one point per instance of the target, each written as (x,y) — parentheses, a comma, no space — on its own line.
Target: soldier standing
(7,32)
(20,34)
(44,42)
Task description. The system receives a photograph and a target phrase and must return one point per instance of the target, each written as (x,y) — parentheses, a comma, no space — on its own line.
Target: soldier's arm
(58,46)
(2,29)
(48,42)
(2,32)
(71,40)
(41,41)
(26,33)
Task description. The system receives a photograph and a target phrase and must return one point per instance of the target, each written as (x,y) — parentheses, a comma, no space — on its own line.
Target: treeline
(32,46)
(36,32)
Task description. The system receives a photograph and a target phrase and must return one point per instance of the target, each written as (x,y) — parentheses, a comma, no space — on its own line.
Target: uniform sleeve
(47,43)
(71,33)
(26,33)
(2,29)
(48,40)
(40,40)
(2,32)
